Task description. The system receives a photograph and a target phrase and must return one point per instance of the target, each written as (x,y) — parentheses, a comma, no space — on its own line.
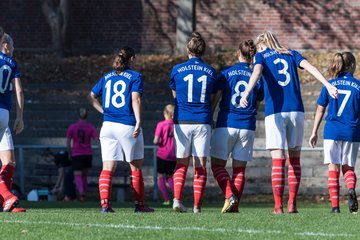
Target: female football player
(342,128)
(284,111)
(192,84)
(121,136)
(9,79)
(235,127)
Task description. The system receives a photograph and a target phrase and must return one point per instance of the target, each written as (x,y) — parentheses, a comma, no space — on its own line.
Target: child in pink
(79,136)
(166,159)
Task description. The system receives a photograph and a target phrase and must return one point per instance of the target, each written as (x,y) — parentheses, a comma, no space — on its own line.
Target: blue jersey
(343,117)
(194,82)
(115,92)
(233,81)
(281,81)
(8,71)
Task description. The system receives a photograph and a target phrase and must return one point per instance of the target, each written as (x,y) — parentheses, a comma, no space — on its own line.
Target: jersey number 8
(238,93)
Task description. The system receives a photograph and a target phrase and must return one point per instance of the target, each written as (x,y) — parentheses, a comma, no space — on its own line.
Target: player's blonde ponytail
(269,39)
(341,63)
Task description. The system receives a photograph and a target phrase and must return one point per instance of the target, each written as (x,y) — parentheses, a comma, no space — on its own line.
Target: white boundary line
(158,228)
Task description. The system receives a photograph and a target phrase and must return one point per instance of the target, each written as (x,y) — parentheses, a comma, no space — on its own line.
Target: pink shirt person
(165,132)
(81,134)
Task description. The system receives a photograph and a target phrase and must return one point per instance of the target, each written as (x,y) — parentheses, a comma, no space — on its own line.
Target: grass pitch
(57,220)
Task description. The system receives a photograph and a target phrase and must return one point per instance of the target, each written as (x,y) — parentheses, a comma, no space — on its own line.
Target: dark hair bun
(196,35)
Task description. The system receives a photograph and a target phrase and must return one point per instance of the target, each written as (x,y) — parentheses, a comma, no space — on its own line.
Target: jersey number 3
(283,71)
(117,96)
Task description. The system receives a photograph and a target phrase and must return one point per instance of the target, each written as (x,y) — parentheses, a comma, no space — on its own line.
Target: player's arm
(315,72)
(19,123)
(320,111)
(95,102)
(136,104)
(156,140)
(173,93)
(255,76)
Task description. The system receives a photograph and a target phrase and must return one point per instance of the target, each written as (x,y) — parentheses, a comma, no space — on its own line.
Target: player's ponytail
(269,39)
(196,45)
(247,50)
(342,63)
(123,58)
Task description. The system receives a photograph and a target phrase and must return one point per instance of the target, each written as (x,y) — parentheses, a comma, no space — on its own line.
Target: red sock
(199,185)
(7,173)
(278,180)
(294,177)
(137,185)
(223,179)
(105,184)
(334,187)
(238,181)
(350,178)
(179,180)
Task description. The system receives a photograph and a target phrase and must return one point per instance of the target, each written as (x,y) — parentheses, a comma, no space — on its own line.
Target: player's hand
(332,91)
(137,130)
(18,125)
(313,140)
(244,100)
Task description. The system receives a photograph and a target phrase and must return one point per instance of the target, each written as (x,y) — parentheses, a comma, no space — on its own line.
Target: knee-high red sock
(334,187)
(294,177)
(179,180)
(105,183)
(137,185)
(238,182)
(223,179)
(350,178)
(278,180)
(7,171)
(200,178)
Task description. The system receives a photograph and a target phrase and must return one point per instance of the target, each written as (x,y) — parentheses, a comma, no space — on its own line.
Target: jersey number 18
(115,94)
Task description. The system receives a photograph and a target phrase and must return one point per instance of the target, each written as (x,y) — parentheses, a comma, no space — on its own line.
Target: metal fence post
(155,193)
(21,169)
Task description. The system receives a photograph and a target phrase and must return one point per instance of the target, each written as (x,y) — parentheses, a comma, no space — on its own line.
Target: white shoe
(197,210)
(178,207)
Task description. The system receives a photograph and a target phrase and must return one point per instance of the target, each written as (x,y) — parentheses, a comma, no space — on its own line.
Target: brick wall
(149,25)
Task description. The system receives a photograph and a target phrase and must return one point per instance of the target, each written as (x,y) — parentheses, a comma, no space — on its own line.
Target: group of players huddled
(266,70)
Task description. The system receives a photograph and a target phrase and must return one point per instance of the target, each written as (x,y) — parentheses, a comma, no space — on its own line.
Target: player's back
(281,81)
(343,118)
(8,71)
(116,91)
(194,82)
(233,81)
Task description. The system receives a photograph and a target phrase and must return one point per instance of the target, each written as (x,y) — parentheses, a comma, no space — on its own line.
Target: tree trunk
(57,16)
